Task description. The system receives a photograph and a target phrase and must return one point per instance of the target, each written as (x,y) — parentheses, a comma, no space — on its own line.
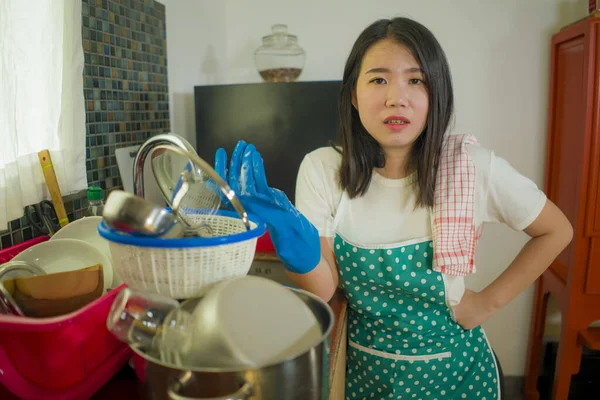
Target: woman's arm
(323,279)
(550,233)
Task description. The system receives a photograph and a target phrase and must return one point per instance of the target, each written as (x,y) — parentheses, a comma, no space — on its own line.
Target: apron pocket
(388,375)
(398,357)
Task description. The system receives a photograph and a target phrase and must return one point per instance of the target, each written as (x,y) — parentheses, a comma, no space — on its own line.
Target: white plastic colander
(218,245)
(183,268)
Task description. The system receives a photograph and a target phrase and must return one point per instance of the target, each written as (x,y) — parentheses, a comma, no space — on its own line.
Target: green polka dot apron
(403,342)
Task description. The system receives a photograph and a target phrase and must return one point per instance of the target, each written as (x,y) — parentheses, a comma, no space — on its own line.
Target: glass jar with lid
(279,58)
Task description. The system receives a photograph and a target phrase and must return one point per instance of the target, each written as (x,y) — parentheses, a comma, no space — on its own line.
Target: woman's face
(391,96)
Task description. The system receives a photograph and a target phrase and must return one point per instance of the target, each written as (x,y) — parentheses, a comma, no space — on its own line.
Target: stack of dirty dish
(244,333)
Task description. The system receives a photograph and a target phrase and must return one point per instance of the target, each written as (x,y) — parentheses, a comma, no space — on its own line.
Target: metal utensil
(190,190)
(43,218)
(205,173)
(12,270)
(8,305)
(165,185)
(19,269)
(132,214)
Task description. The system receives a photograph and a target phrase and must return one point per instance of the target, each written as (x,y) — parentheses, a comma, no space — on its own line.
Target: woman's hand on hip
(472,310)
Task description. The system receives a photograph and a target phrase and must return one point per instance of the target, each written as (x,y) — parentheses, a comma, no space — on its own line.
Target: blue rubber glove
(295,239)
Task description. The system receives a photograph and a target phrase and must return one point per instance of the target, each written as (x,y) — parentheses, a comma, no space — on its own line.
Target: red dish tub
(66,357)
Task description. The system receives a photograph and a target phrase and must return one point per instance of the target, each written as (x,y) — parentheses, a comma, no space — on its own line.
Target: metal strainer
(198,192)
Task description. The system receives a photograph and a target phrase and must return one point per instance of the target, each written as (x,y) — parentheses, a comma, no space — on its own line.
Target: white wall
(498,52)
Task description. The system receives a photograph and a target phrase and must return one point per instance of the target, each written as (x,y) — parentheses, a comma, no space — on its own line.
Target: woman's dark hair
(360,151)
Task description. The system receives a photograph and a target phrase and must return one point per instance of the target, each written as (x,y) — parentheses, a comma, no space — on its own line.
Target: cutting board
(56,294)
(125,157)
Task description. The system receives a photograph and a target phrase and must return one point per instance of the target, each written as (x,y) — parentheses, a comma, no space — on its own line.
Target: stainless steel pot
(301,377)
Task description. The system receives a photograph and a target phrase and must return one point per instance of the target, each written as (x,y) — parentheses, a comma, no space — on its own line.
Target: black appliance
(285,121)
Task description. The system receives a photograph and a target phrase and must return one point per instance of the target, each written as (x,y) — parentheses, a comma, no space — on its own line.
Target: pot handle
(243,393)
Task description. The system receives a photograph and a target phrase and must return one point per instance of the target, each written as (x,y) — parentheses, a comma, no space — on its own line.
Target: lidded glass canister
(279,58)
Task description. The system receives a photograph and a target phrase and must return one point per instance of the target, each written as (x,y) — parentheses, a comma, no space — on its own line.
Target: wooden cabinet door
(592,127)
(573,170)
(566,183)
(592,280)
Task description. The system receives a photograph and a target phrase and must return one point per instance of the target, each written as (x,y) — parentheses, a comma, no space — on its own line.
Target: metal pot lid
(19,269)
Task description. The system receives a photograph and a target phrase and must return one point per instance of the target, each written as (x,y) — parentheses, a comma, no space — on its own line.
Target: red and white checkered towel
(454,234)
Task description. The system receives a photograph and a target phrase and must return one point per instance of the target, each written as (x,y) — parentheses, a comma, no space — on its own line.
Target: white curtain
(41,100)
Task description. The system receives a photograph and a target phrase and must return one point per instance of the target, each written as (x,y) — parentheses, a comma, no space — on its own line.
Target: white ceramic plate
(259,320)
(85,229)
(62,255)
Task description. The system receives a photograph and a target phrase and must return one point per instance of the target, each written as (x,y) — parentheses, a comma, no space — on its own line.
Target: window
(41,100)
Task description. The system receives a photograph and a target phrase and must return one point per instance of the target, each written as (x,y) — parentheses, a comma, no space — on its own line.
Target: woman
(385,213)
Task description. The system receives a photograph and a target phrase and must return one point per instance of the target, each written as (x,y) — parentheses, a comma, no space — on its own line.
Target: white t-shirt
(386,216)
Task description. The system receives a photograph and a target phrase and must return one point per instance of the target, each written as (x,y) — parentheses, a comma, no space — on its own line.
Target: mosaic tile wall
(126,92)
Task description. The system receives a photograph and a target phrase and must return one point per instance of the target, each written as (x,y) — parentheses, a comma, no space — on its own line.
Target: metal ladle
(132,214)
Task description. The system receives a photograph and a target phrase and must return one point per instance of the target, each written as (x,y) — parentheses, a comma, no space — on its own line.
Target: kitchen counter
(338,341)
(124,385)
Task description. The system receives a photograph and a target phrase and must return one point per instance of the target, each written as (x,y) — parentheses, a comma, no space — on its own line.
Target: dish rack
(183,268)
(66,357)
